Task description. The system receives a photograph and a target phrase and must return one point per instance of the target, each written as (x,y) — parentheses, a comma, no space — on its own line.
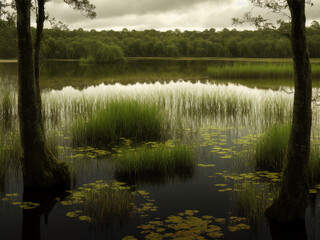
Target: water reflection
(31,224)
(292,231)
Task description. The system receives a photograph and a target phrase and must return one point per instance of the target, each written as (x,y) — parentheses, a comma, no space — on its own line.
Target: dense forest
(110,46)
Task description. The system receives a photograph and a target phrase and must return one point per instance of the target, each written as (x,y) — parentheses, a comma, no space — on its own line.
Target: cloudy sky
(162,14)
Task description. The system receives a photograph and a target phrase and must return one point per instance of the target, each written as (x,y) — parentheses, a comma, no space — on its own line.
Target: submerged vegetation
(258,70)
(120,119)
(155,163)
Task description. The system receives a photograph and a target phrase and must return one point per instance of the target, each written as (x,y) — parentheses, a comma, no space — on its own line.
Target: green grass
(120,119)
(254,70)
(155,163)
(271,148)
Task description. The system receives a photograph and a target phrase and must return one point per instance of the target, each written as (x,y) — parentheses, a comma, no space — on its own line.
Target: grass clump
(120,119)
(271,148)
(105,203)
(156,163)
(7,106)
(253,199)
(255,70)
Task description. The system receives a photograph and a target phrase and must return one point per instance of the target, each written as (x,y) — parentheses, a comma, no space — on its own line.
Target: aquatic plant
(271,148)
(155,163)
(257,70)
(102,202)
(123,118)
(253,199)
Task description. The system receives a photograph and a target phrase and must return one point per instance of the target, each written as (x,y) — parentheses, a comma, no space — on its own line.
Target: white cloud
(162,15)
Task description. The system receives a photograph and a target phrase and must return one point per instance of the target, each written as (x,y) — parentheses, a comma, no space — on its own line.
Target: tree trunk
(40,168)
(37,46)
(292,200)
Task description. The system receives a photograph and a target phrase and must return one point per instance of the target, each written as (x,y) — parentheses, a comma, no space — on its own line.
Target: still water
(221,120)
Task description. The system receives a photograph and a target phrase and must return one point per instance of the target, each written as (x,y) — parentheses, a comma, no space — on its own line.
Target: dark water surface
(222,149)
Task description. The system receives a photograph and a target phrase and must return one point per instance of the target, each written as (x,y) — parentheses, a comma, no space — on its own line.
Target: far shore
(180,59)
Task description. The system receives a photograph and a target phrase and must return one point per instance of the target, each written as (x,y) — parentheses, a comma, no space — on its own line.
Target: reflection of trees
(156,178)
(31,217)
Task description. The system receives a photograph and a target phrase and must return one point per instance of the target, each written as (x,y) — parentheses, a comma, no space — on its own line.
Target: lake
(214,126)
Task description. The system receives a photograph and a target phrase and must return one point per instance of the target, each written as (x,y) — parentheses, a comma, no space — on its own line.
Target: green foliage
(155,161)
(78,43)
(257,70)
(105,54)
(123,118)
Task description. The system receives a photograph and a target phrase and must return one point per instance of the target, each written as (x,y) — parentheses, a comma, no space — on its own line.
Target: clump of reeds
(155,163)
(120,119)
(7,105)
(257,70)
(271,148)
(253,199)
(105,203)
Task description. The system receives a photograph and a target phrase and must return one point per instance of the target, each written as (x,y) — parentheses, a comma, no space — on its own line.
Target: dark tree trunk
(40,168)
(292,200)
(37,47)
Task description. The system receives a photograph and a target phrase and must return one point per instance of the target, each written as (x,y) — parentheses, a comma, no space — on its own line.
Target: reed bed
(139,121)
(181,101)
(256,70)
(178,99)
(155,163)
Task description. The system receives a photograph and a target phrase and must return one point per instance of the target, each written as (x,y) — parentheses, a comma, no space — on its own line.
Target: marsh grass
(7,105)
(255,70)
(252,200)
(155,163)
(109,203)
(270,151)
(106,204)
(271,148)
(9,156)
(120,119)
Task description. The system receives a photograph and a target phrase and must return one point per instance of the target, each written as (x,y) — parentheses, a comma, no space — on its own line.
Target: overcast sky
(162,14)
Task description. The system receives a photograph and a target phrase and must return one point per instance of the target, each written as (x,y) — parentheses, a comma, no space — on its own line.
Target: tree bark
(40,168)
(292,200)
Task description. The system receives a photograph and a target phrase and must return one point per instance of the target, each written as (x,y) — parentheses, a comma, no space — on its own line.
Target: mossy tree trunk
(40,168)
(292,200)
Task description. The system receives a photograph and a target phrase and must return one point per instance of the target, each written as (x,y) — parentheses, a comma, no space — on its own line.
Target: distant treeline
(112,45)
